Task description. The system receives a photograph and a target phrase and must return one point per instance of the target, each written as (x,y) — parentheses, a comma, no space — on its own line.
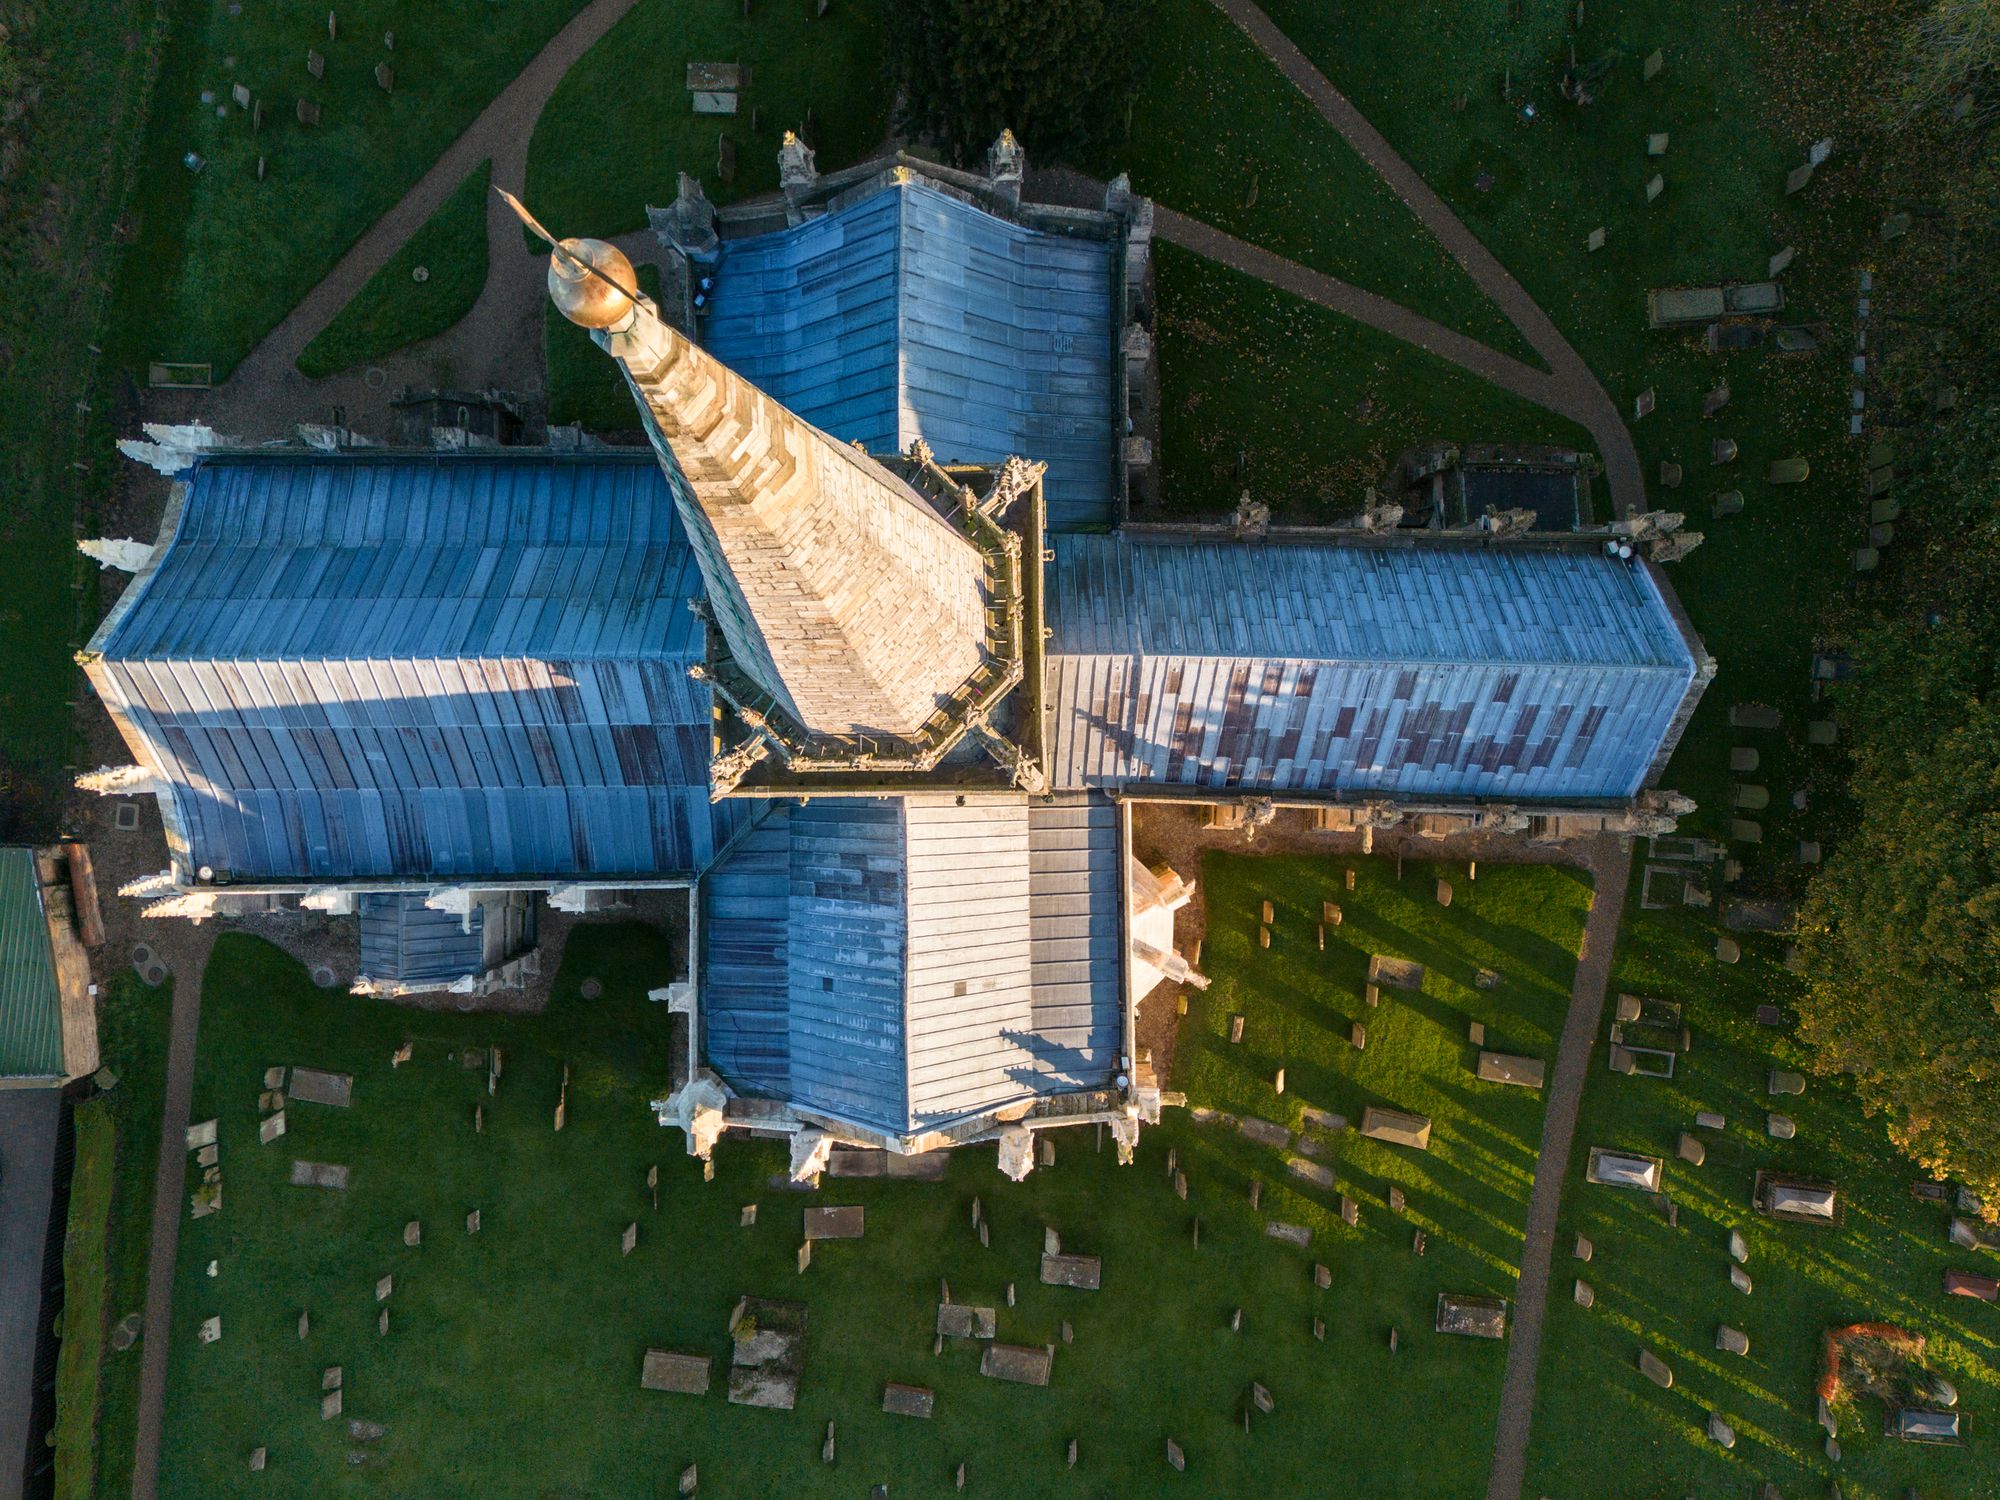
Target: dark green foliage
(394,310)
(1058,73)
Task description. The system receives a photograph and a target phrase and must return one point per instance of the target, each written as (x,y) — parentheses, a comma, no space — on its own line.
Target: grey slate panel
(1437,670)
(401,938)
(1075,937)
(409,666)
(915,314)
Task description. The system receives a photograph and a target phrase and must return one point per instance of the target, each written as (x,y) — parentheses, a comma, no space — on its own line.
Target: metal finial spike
(558,247)
(521,212)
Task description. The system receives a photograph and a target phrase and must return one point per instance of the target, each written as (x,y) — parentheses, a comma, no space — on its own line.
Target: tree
(1058,73)
(1952,54)
(1900,935)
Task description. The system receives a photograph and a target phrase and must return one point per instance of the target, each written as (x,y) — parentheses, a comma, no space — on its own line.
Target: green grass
(516,1353)
(226,256)
(88,66)
(1318,406)
(1669,1288)
(620,128)
(584,384)
(84,1274)
(1219,134)
(393,310)
(132,1040)
(1743,90)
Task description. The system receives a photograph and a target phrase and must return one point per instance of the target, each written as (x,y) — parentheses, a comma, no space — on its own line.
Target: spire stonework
(839,591)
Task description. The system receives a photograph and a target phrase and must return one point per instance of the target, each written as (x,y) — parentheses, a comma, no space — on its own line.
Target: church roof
(913,313)
(904,962)
(428,666)
(1427,669)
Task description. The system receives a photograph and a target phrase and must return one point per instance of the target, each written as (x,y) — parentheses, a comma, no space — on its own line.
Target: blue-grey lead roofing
(903,962)
(1437,670)
(915,314)
(403,939)
(437,666)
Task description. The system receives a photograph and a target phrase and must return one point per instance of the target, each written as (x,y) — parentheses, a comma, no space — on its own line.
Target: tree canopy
(1058,73)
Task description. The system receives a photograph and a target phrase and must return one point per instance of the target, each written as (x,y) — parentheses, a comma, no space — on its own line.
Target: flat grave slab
(1506,1067)
(961,1320)
(1397,973)
(316,1087)
(767,1361)
(324,1174)
(1264,1133)
(1083,1272)
(1396,1127)
(1021,1363)
(1471,1317)
(703,76)
(1317,1173)
(712,102)
(1291,1234)
(682,1374)
(901,1400)
(843,1223)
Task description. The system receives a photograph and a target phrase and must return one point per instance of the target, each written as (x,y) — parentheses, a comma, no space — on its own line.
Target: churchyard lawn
(1316,406)
(1600,1428)
(517,1351)
(394,308)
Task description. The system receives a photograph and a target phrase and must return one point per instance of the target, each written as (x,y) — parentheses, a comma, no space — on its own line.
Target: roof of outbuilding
(424,666)
(913,313)
(31,1044)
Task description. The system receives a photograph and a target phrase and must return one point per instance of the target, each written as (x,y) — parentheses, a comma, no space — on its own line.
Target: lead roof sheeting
(1413,671)
(401,938)
(838,934)
(455,667)
(30,1000)
(915,314)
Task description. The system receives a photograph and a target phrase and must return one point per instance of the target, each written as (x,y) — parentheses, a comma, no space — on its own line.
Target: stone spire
(840,592)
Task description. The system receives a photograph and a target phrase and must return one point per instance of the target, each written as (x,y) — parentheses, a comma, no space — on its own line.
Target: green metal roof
(30,1003)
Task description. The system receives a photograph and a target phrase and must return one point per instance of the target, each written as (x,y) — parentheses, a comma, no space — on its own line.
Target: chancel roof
(913,313)
(904,962)
(428,666)
(1443,670)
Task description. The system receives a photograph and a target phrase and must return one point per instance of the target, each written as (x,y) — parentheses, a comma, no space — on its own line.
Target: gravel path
(266,394)
(1581,397)
(1611,863)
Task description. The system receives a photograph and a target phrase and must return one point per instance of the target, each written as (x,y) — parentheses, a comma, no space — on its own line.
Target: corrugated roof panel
(1428,670)
(916,314)
(30,999)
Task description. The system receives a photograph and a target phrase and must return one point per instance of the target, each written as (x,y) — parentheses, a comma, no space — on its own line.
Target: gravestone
(1291,1234)
(1322,1277)
(1236,1321)
(806,1251)
(1655,1370)
(321,1174)
(211,1330)
(1235,1028)
(1655,60)
(683,1375)
(1780,263)
(1319,1329)
(1582,1249)
(329,1406)
(1655,185)
(413,1233)
(1690,1150)
(1739,1248)
(1417,1241)
(1740,1279)
(270,1128)
(1084,1272)
(1357,1036)
(1656,143)
(1820,151)
(746,1218)
(1320,1176)
(1731,1340)
(472,1222)
(257,1459)
(315,64)
(1264,1132)
(1708,1119)
(1780,1127)
(1019,1363)
(1476,1033)
(1594,241)
(900,1400)
(1444,893)
(241,94)
(329,1379)
(844,1223)
(1584,1294)
(1797,178)
(201,1134)
(315,1087)
(1176,1460)
(629,1240)
(1350,1211)
(1397,1202)
(384,1287)
(1720,1431)
(305,1324)
(385,78)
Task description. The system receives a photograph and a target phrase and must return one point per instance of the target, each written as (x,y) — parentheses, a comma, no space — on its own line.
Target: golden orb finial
(592,283)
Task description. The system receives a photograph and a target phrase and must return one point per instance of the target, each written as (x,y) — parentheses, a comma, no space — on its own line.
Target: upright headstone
(472,1222)
(413,1232)
(1655,60)
(1594,241)
(629,1240)
(1780,263)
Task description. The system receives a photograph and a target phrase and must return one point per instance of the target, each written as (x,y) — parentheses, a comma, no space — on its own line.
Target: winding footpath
(1609,861)
(1581,397)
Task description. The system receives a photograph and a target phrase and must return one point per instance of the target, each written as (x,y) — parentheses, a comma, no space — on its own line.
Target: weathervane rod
(535,228)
